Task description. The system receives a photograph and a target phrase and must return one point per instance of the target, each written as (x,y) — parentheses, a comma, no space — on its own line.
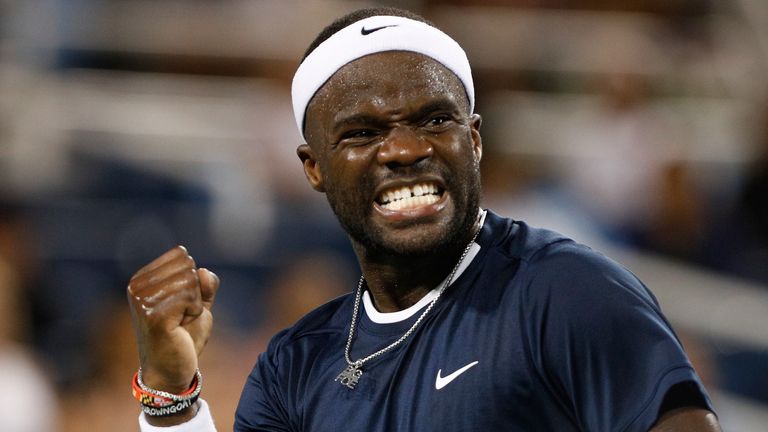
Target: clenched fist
(171,302)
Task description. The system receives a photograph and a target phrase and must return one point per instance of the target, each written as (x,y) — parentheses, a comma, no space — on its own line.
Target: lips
(409,197)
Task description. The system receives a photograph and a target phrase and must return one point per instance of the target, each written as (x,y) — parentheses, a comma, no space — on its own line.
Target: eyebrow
(441,104)
(356,119)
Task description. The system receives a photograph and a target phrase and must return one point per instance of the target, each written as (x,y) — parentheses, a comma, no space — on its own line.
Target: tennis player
(462,320)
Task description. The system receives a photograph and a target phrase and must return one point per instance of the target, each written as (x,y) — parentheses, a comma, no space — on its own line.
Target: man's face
(393,146)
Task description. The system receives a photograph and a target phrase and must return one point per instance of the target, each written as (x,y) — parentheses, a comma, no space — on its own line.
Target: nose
(403,147)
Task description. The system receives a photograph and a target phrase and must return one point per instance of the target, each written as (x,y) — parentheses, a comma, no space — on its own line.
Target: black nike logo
(364,31)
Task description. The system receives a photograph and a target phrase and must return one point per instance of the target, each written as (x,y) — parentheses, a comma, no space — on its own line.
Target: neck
(397,286)
(397,282)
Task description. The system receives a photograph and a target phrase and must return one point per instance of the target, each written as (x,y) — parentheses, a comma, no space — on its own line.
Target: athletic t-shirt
(539,333)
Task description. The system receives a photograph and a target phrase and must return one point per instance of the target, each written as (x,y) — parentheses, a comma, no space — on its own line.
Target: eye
(438,122)
(362,133)
(358,136)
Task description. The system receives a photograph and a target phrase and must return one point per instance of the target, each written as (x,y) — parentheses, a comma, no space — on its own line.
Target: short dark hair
(356,16)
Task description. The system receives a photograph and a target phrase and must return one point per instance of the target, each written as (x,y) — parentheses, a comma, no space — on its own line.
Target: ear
(477,142)
(311,167)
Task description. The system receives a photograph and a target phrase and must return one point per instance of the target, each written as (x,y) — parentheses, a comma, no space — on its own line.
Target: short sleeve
(600,341)
(261,406)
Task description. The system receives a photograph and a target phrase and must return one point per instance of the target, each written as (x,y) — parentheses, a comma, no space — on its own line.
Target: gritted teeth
(410,196)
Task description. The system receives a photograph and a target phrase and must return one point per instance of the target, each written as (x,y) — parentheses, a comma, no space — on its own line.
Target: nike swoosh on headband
(364,31)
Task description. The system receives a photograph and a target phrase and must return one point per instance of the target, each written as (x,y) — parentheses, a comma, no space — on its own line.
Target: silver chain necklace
(352,373)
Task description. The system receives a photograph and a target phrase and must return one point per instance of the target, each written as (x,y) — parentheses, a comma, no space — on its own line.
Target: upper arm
(688,419)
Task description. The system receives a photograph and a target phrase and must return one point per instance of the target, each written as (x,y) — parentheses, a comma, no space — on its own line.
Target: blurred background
(126,127)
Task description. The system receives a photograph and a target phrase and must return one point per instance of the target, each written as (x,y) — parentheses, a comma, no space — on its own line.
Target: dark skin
(687,419)
(382,122)
(413,126)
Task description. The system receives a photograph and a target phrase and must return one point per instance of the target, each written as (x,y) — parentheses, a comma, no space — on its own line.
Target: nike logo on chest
(441,381)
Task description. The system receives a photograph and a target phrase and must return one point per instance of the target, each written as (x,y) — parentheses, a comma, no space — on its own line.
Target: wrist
(162,408)
(159,381)
(177,418)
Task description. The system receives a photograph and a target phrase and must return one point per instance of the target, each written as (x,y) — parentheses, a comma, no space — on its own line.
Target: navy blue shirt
(559,338)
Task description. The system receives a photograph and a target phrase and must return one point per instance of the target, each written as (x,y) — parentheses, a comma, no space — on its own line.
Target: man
(462,320)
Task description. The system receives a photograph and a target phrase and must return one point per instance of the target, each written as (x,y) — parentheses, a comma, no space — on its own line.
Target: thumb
(209,284)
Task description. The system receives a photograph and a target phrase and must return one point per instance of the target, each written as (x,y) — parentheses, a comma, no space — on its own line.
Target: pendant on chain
(350,376)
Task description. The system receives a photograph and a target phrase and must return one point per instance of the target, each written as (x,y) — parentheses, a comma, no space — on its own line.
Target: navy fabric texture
(564,339)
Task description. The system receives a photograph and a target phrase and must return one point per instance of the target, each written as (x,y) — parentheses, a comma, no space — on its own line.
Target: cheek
(357,157)
(350,167)
(460,147)
(461,160)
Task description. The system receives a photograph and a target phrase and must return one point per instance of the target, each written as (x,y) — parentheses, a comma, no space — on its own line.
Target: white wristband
(201,422)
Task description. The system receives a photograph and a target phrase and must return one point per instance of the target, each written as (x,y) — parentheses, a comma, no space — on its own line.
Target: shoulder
(518,240)
(326,320)
(555,265)
(577,275)
(288,354)
(556,271)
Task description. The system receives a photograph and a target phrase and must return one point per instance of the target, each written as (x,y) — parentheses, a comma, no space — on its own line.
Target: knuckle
(183,281)
(134,291)
(135,286)
(190,276)
(176,251)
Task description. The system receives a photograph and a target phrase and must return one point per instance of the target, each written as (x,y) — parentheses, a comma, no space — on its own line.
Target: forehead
(393,79)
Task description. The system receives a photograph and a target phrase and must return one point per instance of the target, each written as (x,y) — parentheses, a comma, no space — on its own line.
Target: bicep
(688,419)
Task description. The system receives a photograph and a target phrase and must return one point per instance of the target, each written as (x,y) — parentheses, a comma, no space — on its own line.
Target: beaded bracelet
(158,403)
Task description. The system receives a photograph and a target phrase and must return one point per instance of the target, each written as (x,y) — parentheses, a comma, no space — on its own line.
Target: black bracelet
(169,410)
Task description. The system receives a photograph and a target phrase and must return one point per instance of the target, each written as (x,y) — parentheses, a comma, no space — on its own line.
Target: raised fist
(171,302)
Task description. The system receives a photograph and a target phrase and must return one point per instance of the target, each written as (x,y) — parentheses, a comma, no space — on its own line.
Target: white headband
(369,36)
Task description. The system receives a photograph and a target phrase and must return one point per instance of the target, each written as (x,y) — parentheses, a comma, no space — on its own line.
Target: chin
(418,239)
(417,245)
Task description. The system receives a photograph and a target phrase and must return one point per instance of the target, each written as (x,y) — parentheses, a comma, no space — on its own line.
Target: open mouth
(410,197)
